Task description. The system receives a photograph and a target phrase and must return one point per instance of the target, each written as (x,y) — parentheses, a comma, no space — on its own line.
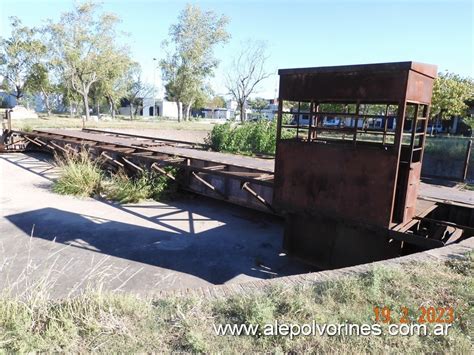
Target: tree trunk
(18,94)
(179,111)
(85,100)
(46,103)
(98,109)
(188,110)
(242,112)
(71,110)
(112,108)
(131,111)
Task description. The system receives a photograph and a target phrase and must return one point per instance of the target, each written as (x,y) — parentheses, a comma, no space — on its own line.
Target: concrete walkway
(66,244)
(445,190)
(63,244)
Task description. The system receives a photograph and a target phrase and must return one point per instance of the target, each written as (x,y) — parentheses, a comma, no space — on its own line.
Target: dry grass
(97,321)
(80,175)
(125,123)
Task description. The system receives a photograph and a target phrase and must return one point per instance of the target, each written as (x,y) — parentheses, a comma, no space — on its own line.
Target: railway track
(242,180)
(245,181)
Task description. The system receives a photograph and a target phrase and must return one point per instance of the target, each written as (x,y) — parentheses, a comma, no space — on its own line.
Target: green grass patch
(82,176)
(469,187)
(123,323)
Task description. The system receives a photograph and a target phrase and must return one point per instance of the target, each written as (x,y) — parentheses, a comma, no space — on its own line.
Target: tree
(84,47)
(246,73)
(135,89)
(112,87)
(115,86)
(38,81)
(450,93)
(192,59)
(216,102)
(258,104)
(17,56)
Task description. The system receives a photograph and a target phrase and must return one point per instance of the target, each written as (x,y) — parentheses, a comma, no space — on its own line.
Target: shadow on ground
(198,236)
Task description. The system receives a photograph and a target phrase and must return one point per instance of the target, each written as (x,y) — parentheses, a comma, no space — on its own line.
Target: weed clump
(82,176)
(145,186)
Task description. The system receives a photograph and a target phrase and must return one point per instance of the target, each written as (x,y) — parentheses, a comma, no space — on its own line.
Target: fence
(448,158)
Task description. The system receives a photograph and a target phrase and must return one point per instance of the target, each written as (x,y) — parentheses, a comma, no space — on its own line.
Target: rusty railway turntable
(345,177)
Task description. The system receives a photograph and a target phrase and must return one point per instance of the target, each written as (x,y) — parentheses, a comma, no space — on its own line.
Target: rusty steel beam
(108,157)
(132,164)
(246,187)
(209,185)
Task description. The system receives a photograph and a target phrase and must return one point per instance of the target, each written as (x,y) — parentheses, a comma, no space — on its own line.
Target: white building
(231,105)
(162,108)
(268,112)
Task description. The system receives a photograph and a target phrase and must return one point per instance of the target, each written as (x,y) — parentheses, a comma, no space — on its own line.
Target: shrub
(79,176)
(250,137)
(147,185)
(82,176)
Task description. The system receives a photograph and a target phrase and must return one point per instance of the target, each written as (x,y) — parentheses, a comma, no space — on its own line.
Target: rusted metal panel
(353,183)
(349,87)
(384,82)
(336,192)
(419,88)
(213,174)
(327,242)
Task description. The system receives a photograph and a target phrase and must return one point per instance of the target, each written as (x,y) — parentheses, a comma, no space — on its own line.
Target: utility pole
(154,87)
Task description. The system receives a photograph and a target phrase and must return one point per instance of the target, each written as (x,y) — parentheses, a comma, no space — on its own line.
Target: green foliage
(135,88)
(27,128)
(38,81)
(450,93)
(101,322)
(192,61)
(80,176)
(249,137)
(145,186)
(18,53)
(257,104)
(83,45)
(216,102)
(446,148)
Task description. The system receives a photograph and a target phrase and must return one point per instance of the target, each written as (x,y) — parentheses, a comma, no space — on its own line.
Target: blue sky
(298,33)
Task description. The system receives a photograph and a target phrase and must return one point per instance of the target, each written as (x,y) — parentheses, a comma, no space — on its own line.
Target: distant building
(269,112)
(231,105)
(161,107)
(221,113)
